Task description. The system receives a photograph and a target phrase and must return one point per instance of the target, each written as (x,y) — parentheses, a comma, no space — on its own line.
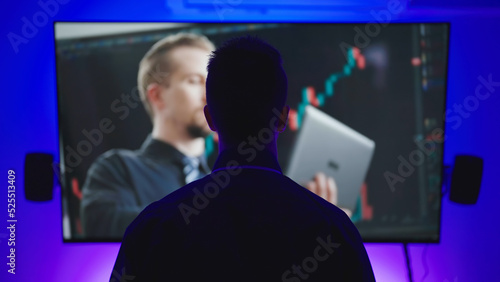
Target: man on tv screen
(121,183)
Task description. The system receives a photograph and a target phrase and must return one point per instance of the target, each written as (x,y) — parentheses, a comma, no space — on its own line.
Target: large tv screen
(385,82)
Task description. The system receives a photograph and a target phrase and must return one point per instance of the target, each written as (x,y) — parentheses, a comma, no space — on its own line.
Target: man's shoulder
(313,200)
(318,211)
(114,155)
(114,158)
(156,220)
(212,193)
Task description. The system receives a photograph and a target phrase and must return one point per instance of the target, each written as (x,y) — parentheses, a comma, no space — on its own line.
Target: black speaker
(466,179)
(38,177)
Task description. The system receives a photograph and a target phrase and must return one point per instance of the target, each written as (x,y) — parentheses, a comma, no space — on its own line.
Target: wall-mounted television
(385,81)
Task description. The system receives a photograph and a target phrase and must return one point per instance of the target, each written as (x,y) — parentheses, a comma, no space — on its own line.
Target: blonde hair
(155,65)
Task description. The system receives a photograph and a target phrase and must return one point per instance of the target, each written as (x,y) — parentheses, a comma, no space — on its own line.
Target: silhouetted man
(245,221)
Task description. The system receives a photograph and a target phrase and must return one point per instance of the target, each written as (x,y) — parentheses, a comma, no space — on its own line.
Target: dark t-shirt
(121,183)
(245,223)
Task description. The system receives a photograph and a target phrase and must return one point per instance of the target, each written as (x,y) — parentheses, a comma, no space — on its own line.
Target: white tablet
(326,145)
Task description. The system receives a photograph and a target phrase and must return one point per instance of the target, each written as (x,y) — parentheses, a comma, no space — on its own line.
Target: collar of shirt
(263,160)
(162,151)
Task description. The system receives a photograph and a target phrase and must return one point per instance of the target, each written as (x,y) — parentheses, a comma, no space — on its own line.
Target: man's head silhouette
(246,90)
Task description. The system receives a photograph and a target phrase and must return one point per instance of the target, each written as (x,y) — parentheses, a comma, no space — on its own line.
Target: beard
(197,131)
(199,126)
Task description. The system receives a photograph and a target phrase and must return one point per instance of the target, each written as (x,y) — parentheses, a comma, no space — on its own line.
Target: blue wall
(468,251)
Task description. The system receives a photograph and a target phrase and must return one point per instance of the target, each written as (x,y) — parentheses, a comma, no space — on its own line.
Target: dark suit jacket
(121,183)
(245,223)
